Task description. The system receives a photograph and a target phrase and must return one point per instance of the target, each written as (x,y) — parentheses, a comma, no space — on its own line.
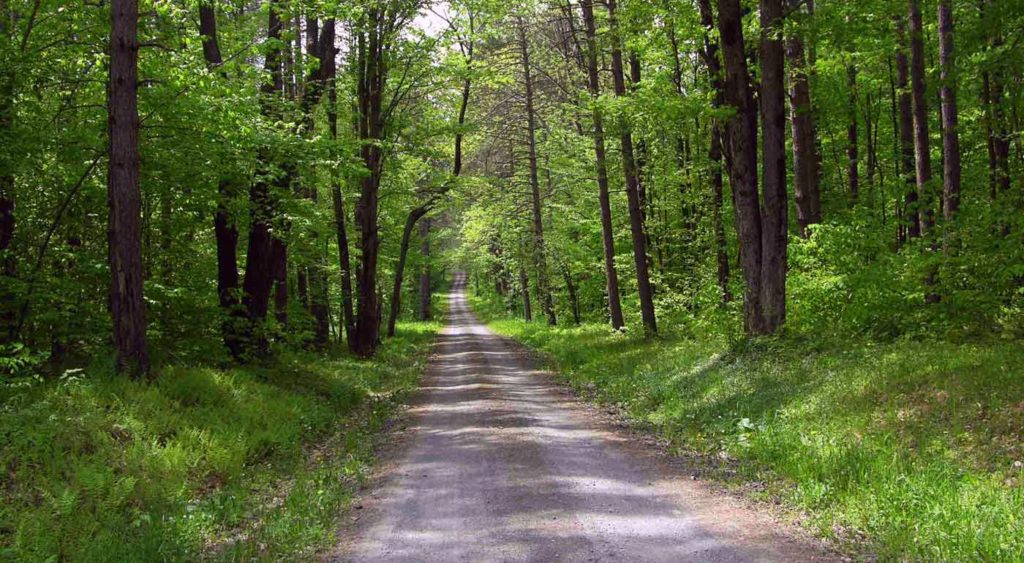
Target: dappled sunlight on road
(502,465)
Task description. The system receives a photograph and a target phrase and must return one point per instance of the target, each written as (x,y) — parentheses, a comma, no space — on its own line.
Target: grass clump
(223,464)
(912,448)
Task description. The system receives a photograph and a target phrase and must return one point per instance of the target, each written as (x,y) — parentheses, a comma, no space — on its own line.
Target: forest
(785,237)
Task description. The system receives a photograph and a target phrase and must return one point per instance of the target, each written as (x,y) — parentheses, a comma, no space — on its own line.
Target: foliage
(912,447)
(214,463)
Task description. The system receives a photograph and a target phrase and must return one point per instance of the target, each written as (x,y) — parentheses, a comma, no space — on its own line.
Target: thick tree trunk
(741,135)
(911,214)
(775,232)
(260,265)
(950,121)
(372,75)
(632,173)
(123,192)
(8,262)
(601,166)
(807,176)
(852,149)
(539,252)
(224,228)
(423,311)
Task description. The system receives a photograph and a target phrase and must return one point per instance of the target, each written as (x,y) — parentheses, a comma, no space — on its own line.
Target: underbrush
(234,464)
(907,449)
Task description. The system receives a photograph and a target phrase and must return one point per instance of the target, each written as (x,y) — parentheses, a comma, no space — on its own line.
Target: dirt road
(500,464)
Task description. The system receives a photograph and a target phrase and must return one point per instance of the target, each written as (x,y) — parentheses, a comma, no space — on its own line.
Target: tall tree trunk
(922,150)
(372,75)
(774,221)
(714,69)
(852,149)
(260,264)
(224,228)
(338,201)
(601,166)
(423,312)
(911,214)
(632,173)
(741,135)
(123,192)
(807,176)
(539,252)
(8,262)
(950,121)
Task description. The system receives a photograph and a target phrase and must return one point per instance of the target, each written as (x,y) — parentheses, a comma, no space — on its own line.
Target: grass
(204,463)
(906,450)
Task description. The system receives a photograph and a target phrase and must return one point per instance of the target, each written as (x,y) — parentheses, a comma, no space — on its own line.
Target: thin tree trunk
(852,149)
(601,166)
(424,312)
(403,255)
(124,195)
(632,173)
(539,253)
(807,191)
(911,214)
(714,69)
(524,284)
(922,150)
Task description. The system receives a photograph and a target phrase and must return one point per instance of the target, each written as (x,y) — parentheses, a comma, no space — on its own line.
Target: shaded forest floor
(905,449)
(215,463)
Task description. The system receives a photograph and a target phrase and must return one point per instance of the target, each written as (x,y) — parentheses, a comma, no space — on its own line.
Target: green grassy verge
(910,450)
(204,463)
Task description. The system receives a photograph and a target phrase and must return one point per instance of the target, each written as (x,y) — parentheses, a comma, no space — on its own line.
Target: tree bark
(922,150)
(632,173)
(852,149)
(601,167)
(260,263)
(806,172)
(372,76)
(224,228)
(539,252)
(423,311)
(950,120)
(714,69)
(774,205)
(403,254)
(911,214)
(524,285)
(123,192)
(741,135)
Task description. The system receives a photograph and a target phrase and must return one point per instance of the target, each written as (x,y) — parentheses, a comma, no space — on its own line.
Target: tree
(806,171)
(123,193)
(539,254)
(601,167)
(950,121)
(632,173)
